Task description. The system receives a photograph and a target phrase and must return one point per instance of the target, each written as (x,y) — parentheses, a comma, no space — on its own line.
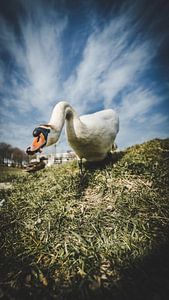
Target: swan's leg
(80,166)
(114,147)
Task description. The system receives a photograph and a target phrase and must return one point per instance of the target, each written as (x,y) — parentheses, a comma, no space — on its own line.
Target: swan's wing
(106,119)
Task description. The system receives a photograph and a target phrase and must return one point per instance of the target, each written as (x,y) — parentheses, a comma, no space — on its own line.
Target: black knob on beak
(37,131)
(28,151)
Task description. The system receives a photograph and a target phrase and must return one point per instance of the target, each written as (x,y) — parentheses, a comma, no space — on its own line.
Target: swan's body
(91,136)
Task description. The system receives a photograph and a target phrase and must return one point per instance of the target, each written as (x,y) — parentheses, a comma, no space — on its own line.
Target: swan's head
(44,135)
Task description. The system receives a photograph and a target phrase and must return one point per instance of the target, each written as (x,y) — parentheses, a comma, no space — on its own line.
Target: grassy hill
(103,235)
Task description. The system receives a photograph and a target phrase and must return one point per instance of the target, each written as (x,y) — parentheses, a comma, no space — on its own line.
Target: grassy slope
(101,235)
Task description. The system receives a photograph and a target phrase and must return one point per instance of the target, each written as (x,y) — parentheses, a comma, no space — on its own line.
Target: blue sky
(94,55)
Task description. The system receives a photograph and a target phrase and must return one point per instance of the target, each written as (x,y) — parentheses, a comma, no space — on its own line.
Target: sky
(94,55)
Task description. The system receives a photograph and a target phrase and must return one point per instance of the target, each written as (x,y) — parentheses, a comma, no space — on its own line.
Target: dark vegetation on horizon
(103,235)
(12,155)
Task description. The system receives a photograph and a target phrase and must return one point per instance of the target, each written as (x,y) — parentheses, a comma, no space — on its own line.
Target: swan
(91,136)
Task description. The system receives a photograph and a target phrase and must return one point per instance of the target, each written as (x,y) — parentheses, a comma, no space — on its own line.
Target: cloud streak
(109,63)
(36,59)
(112,71)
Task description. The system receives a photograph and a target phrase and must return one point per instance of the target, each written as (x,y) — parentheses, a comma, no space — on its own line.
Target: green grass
(8,174)
(103,235)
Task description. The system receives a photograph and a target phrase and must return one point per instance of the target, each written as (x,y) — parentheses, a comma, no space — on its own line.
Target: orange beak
(38,142)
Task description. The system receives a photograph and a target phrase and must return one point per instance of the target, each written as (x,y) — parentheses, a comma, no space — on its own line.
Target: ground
(100,235)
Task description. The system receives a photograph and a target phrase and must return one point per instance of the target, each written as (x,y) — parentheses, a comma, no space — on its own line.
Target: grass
(101,235)
(9,174)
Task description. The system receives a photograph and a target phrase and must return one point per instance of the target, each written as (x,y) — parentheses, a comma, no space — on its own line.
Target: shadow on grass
(89,168)
(109,161)
(21,277)
(147,279)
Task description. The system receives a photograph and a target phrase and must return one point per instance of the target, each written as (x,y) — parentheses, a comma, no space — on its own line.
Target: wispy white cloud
(138,103)
(139,121)
(36,59)
(114,61)
(15,134)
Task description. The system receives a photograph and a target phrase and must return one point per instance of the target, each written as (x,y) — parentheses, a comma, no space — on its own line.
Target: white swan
(91,136)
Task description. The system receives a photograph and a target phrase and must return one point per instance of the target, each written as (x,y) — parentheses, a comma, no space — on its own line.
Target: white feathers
(91,136)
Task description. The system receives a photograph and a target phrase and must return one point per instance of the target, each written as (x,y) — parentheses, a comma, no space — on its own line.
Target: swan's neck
(61,112)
